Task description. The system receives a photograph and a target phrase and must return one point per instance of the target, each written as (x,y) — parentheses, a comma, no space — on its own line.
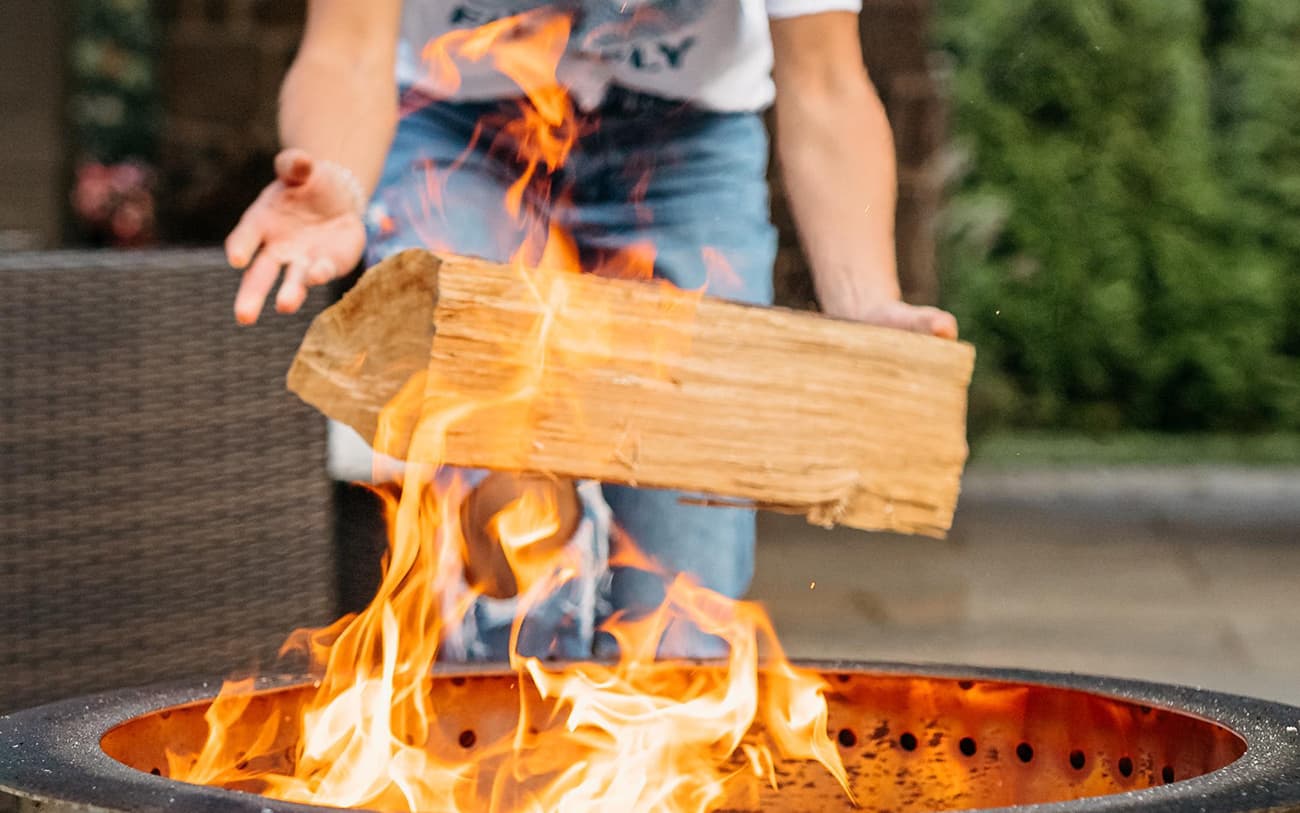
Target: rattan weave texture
(164,509)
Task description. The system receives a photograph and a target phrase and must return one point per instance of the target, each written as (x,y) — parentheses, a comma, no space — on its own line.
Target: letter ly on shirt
(715,53)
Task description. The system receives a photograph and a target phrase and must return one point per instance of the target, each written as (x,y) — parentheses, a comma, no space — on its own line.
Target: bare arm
(338,112)
(837,155)
(339,99)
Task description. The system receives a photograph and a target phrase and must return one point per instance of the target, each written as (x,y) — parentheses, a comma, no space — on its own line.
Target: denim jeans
(651,170)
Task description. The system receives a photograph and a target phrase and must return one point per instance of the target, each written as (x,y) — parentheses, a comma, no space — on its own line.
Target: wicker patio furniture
(164,508)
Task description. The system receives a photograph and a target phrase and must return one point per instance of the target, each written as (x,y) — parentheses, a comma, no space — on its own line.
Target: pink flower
(115,203)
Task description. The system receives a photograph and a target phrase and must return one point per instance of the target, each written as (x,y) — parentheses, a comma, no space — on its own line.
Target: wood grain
(648,385)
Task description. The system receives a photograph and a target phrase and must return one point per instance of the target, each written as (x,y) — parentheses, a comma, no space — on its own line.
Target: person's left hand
(902,316)
(306,222)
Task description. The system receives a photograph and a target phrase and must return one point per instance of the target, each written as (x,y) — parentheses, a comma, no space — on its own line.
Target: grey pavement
(1181,576)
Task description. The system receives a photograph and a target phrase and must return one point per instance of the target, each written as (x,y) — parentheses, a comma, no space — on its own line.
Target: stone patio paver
(1129,595)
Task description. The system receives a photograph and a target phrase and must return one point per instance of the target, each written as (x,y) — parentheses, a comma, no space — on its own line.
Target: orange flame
(721,279)
(636,735)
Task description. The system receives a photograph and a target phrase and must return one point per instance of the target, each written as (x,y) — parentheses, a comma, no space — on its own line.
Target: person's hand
(306,222)
(902,316)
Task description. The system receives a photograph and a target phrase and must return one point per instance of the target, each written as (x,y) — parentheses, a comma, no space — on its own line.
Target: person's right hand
(305,222)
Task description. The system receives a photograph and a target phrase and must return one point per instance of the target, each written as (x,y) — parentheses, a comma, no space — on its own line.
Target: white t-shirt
(714,53)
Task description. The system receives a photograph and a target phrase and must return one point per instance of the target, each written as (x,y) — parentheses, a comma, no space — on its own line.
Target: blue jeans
(680,178)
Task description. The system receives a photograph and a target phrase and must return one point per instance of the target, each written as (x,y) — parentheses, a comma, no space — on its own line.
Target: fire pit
(912,738)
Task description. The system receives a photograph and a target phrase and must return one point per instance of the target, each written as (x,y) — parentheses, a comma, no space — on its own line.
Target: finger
(916,319)
(242,242)
(293,291)
(293,166)
(944,325)
(899,316)
(935,322)
(256,284)
(322,271)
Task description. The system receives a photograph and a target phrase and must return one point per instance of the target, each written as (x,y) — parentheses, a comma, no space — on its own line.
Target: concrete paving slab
(1138,593)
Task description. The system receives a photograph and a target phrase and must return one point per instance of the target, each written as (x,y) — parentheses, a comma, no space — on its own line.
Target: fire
(526,521)
(636,735)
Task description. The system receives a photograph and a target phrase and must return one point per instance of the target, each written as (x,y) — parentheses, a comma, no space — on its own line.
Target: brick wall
(895,44)
(225,58)
(33,170)
(221,70)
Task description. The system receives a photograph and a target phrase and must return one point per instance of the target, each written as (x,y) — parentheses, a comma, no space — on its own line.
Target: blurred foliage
(114,99)
(1258,55)
(1053,447)
(1122,244)
(115,116)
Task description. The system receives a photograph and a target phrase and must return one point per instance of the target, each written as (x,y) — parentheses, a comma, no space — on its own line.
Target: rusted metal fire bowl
(913,738)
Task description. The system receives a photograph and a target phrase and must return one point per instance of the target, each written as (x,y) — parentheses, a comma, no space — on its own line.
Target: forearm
(341,110)
(836,153)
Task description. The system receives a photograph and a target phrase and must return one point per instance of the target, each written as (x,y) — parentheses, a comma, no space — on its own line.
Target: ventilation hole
(1025,752)
(1077,760)
(1167,774)
(458,681)
(157,772)
(966,684)
(967,746)
(907,741)
(844,677)
(468,738)
(1125,767)
(847,738)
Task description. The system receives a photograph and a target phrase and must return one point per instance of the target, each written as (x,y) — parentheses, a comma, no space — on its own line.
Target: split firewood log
(640,383)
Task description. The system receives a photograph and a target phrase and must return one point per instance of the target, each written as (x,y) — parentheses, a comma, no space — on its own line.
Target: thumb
(944,326)
(936,322)
(293,166)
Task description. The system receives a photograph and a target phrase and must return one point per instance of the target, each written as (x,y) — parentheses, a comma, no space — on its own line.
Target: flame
(720,278)
(529,519)
(636,735)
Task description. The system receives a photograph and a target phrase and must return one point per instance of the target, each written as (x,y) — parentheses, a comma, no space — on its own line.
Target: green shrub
(1096,251)
(1257,79)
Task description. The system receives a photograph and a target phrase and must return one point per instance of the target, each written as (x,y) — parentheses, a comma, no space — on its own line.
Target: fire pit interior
(908,742)
(911,738)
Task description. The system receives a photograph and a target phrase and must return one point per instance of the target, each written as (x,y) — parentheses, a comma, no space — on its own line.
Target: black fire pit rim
(41,748)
